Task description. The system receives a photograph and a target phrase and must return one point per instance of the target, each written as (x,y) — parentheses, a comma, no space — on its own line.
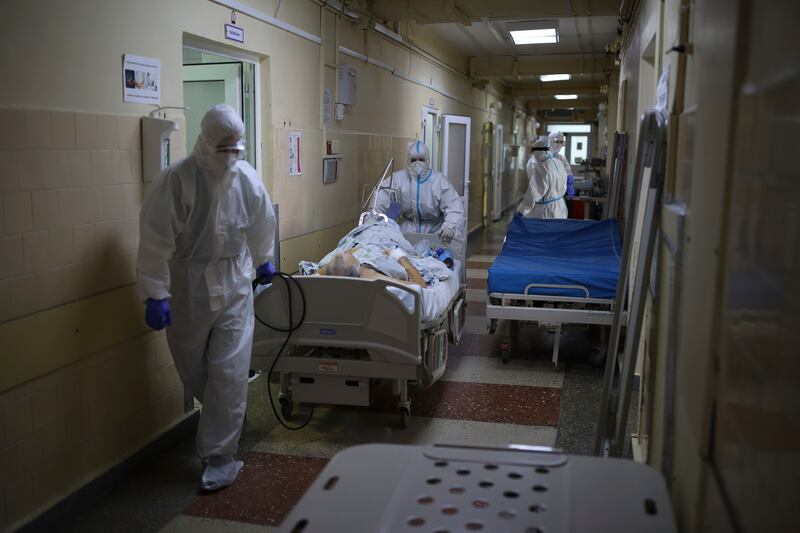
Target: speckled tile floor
(479,400)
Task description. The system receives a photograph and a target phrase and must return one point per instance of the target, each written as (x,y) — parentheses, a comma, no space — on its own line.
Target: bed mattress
(558,252)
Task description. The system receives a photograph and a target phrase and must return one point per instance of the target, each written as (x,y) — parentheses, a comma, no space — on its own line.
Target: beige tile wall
(71,190)
(70,193)
(61,430)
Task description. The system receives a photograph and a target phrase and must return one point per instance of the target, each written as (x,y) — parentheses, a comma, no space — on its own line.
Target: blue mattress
(558,252)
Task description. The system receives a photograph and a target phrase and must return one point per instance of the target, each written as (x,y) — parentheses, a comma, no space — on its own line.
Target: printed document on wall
(294,154)
(141,79)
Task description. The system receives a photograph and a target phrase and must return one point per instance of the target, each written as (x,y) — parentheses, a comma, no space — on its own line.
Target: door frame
(238,55)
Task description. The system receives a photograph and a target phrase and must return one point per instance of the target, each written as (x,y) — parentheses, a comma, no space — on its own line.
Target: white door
(497,172)
(455,157)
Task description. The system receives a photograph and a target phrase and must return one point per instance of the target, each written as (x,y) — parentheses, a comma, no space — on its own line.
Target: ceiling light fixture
(543,36)
(554,77)
(566,97)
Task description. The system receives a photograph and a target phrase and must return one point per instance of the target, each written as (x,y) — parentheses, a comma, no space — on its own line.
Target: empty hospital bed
(357,331)
(555,273)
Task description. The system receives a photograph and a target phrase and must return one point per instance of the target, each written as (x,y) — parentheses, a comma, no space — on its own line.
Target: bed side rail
(377,315)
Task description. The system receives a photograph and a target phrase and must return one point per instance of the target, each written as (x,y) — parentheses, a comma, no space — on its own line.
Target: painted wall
(70,180)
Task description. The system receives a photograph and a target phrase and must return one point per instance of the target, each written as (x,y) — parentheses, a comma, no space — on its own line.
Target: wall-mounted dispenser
(155,143)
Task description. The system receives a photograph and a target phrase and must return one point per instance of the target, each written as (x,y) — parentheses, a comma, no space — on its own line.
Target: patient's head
(343,264)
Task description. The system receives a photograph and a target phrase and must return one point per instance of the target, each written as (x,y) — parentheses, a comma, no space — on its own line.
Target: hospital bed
(358,331)
(555,272)
(561,273)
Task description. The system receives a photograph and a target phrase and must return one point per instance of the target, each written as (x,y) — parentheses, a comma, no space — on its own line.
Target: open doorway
(211,77)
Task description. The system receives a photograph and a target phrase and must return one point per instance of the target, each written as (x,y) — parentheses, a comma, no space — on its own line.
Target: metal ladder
(650,155)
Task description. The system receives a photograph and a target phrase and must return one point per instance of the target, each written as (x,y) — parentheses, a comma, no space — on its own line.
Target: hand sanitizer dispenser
(155,145)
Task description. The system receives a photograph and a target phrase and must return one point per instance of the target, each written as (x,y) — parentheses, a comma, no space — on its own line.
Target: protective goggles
(417,158)
(540,149)
(237,146)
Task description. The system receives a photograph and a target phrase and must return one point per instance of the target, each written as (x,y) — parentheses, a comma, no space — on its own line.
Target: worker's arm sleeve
(567,166)
(527,202)
(453,207)
(161,222)
(261,233)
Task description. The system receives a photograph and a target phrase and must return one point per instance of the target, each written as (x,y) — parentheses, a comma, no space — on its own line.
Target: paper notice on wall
(141,79)
(294,154)
(327,108)
(662,91)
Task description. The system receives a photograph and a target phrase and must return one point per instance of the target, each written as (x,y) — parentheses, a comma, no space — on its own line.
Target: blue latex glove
(517,214)
(394,210)
(570,188)
(266,272)
(157,314)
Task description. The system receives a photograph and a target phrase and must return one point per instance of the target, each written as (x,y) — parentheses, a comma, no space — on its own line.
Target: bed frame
(558,311)
(355,332)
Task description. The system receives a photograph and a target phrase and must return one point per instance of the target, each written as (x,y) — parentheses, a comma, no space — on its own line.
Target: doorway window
(211,78)
(430,122)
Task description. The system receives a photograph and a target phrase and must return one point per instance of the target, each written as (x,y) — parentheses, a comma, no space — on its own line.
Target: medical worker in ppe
(546,187)
(205,221)
(427,202)
(556,142)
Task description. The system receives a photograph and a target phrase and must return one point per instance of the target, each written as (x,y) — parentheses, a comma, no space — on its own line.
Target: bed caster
(597,357)
(286,408)
(505,351)
(405,414)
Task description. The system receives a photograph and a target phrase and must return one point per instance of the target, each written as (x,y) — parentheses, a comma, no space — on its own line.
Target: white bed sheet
(436,298)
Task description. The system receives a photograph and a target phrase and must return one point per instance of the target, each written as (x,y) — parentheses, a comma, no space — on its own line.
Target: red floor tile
(476,308)
(268,488)
(475,283)
(481,402)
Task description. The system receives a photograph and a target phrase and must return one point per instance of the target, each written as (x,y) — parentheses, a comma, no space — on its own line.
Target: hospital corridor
(328,266)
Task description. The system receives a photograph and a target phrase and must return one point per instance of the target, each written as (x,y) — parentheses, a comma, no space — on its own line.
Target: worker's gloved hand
(266,272)
(394,210)
(157,314)
(447,234)
(518,214)
(570,187)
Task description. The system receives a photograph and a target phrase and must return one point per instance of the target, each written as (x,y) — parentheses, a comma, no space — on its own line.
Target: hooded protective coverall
(428,201)
(556,141)
(546,187)
(203,223)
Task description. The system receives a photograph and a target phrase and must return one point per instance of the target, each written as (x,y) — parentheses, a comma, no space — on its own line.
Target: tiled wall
(70,193)
(62,430)
(71,190)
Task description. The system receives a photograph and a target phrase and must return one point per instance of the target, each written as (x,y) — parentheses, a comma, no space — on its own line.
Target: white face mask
(417,168)
(227,159)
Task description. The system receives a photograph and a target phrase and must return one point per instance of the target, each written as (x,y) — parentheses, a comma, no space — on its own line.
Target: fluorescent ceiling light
(544,36)
(566,97)
(554,77)
(570,128)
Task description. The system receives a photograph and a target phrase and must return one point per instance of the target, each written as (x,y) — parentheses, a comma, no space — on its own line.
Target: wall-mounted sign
(234,33)
(141,79)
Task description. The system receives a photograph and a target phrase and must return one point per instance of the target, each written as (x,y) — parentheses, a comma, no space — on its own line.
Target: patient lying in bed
(377,248)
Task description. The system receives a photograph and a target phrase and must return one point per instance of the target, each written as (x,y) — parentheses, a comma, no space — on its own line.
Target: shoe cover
(220,472)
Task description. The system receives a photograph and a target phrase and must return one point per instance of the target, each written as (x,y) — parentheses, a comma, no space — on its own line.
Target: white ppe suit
(546,187)
(203,222)
(428,201)
(556,141)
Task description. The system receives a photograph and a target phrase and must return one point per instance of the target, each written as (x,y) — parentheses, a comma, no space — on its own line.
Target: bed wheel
(405,414)
(286,408)
(597,357)
(505,351)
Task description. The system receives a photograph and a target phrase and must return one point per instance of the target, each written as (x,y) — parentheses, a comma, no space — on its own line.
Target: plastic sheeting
(558,252)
